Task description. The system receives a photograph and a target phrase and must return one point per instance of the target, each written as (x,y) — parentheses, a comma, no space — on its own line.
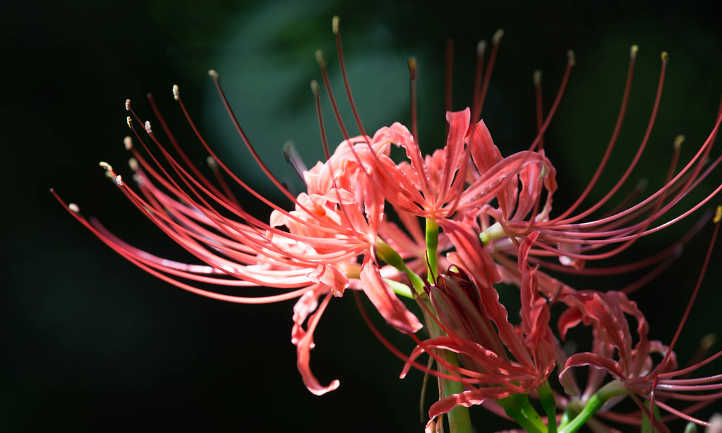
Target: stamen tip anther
(664,56)
(633,50)
(176,92)
(128,142)
(133,164)
(211,162)
(537,77)
(320,59)
(497,36)
(480,48)
(334,24)
(572,58)
(105,166)
(678,140)
(314,87)
(127,104)
(129,121)
(717,214)
(708,341)
(213,74)
(148,129)
(715,424)
(74,207)
(412,67)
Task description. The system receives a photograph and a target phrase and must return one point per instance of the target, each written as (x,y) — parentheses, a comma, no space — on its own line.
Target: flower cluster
(465,219)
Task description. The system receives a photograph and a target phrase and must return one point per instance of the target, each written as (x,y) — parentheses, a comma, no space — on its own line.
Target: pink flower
(497,358)
(614,353)
(327,245)
(575,238)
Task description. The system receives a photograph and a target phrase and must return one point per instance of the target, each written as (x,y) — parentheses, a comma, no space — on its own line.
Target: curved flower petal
(466,399)
(385,301)
(303,339)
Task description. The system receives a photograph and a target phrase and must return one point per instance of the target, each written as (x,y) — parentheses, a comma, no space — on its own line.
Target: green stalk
(459,419)
(647,426)
(432,245)
(546,397)
(593,405)
(390,256)
(519,409)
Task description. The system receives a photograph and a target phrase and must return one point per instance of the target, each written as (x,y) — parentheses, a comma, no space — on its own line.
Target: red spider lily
(331,239)
(328,243)
(575,238)
(613,352)
(497,358)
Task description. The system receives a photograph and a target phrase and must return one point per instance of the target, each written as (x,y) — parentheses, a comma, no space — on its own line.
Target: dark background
(93,344)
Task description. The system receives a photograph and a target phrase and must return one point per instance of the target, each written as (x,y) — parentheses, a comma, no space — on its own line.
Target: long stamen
(225,168)
(213,165)
(319,113)
(615,134)
(317,102)
(698,159)
(571,61)
(216,80)
(416,158)
(690,303)
(339,49)
(449,78)
(327,83)
(495,41)
(539,106)
(176,94)
(642,146)
(324,74)
(185,177)
(479,70)
(72,208)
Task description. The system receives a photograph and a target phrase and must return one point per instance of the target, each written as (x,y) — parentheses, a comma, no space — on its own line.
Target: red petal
(385,301)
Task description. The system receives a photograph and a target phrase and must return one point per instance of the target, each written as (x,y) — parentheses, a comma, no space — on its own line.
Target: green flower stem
(519,409)
(459,419)
(593,405)
(647,426)
(390,256)
(546,397)
(432,245)
(566,416)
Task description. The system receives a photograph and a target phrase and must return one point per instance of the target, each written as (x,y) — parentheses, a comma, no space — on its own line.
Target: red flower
(615,353)
(333,227)
(497,358)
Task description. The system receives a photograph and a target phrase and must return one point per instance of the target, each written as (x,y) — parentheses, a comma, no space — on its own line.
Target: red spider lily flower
(436,186)
(574,238)
(327,245)
(614,353)
(449,181)
(497,359)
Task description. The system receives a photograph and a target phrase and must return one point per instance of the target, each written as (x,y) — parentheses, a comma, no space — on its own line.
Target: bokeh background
(93,344)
